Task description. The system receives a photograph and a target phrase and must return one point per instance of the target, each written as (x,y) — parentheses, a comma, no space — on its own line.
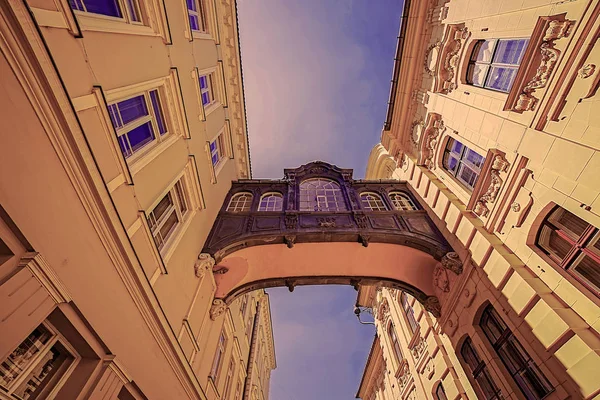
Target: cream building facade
(123,125)
(493,122)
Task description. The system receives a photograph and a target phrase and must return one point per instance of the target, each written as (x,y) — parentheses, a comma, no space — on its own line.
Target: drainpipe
(252,349)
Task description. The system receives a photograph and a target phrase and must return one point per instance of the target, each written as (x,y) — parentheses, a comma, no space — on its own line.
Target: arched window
(517,361)
(440,393)
(271,202)
(462,162)
(484,385)
(572,244)
(372,201)
(240,202)
(401,201)
(321,194)
(410,313)
(494,63)
(395,344)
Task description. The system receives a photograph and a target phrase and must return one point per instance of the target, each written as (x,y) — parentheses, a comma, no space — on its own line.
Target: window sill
(210,108)
(146,156)
(100,23)
(202,35)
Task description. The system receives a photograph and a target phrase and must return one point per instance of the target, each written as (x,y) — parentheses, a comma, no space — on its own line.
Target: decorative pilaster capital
(452,262)
(204,263)
(217,309)
(432,305)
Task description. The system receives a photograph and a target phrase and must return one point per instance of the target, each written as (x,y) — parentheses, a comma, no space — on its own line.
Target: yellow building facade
(123,125)
(493,122)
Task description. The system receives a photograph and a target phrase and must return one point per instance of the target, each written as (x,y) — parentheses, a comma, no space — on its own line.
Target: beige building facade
(493,122)
(123,125)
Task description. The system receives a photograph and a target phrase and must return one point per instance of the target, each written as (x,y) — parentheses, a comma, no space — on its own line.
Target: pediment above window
(538,63)
(429,140)
(442,58)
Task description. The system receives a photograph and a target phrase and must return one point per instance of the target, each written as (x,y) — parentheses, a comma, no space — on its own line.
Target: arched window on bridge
(240,202)
(402,202)
(321,194)
(271,201)
(372,202)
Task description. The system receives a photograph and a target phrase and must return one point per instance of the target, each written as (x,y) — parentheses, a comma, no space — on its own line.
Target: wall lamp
(358,310)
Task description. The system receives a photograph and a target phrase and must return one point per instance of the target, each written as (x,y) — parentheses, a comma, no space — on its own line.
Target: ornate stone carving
(326,222)
(557,30)
(448,58)
(361,221)
(204,263)
(289,240)
(364,240)
(416,130)
(516,207)
(403,376)
(431,56)
(440,279)
(452,262)
(432,305)
(430,139)
(418,349)
(586,71)
(249,223)
(383,310)
(291,221)
(499,164)
(217,309)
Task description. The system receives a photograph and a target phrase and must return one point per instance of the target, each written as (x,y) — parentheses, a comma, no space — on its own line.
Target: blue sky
(317,76)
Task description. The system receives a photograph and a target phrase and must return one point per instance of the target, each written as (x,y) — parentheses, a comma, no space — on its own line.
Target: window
(410,313)
(521,367)
(484,385)
(462,162)
(244,305)
(138,121)
(207,89)
(395,344)
(217,150)
(168,214)
(214,371)
(372,201)
(271,202)
(197,15)
(229,379)
(37,366)
(401,201)
(249,327)
(573,244)
(320,194)
(494,63)
(111,8)
(440,393)
(240,202)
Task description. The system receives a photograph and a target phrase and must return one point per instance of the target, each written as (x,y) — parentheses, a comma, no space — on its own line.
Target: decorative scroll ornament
(499,164)
(452,262)
(548,57)
(440,279)
(204,263)
(586,71)
(418,349)
(431,57)
(217,309)
(448,57)
(383,310)
(432,305)
(432,133)
(291,221)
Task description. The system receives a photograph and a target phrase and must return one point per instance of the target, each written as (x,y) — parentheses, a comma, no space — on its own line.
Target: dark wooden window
(410,313)
(573,245)
(395,344)
(440,393)
(494,63)
(515,358)
(483,383)
(462,162)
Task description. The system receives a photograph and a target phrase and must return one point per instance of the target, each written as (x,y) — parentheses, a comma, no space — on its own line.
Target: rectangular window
(462,162)
(217,150)
(485,386)
(37,366)
(410,313)
(229,379)
(207,89)
(197,15)
(110,8)
(138,121)
(168,214)
(218,360)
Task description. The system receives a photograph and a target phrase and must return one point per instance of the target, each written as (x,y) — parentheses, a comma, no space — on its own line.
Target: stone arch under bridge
(324,236)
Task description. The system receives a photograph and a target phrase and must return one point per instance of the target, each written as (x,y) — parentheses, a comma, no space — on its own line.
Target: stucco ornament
(448,56)
(431,58)
(482,206)
(516,207)
(432,305)
(217,308)
(416,130)
(418,349)
(433,131)
(204,263)
(440,279)
(452,262)
(586,71)
(383,310)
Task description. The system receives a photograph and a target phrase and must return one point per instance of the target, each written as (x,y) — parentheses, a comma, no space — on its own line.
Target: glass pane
(469,354)
(132,109)
(124,145)
(486,385)
(104,7)
(162,207)
(510,51)
(571,223)
(22,356)
(169,225)
(181,197)
(133,11)
(456,147)
(321,194)
(160,121)
(140,136)
(514,356)
(467,176)
(194,23)
(203,82)
(76,5)
(483,51)
(553,243)
(114,116)
(473,158)
(492,326)
(501,78)
(45,370)
(588,269)
(477,73)
(191,5)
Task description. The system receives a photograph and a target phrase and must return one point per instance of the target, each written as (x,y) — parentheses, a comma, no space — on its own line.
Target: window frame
(178,205)
(396,349)
(321,203)
(447,152)
(217,364)
(437,392)
(472,62)
(396,204)
(124,9)
(268,195)
(246,207)
(216,86)
(200,13)
(409,314)
(372,202)
(480,370)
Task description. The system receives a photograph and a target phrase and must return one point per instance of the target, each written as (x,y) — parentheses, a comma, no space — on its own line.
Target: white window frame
(48,392)
(177,205)
(216,86)
(245,203)
(223,147)
(406,204)
(270,206)
(372,201)
(218,359)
